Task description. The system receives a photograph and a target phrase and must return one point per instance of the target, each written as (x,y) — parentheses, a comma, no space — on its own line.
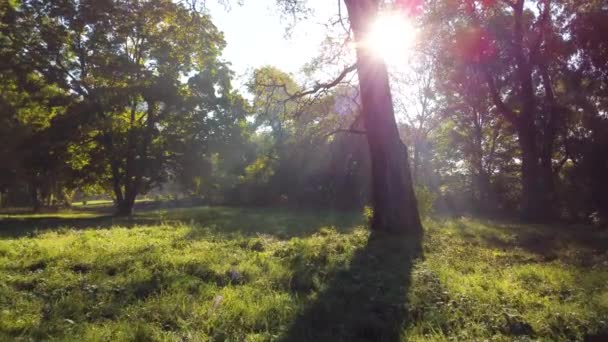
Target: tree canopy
(499,109)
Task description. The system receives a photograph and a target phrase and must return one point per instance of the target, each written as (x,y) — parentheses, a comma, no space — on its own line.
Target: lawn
(261,274)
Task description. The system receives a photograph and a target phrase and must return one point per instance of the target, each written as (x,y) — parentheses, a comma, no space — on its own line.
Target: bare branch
(510,3)
(340,19)
(542,28)
(345,130)
(325,86)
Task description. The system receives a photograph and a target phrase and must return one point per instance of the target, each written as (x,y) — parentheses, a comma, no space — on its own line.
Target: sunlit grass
(273,274)
(57,215)
(106,202)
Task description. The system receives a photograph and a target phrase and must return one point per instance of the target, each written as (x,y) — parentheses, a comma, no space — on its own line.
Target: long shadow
(247,221)
(279,222)
(366,301)
(540,239)
(16,227)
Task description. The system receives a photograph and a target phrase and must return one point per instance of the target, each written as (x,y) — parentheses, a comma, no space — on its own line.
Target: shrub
(426,201)
(425,198)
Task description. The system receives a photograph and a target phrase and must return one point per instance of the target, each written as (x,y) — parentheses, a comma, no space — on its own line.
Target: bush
(425,198)
(426,201)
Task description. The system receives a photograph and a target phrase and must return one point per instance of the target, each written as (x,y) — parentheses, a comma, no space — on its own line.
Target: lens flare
(391,37)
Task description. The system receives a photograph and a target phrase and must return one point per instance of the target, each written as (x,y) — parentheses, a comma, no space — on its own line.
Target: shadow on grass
(246,221)
(17,226)
(280,222)
(365,302)
(540,239)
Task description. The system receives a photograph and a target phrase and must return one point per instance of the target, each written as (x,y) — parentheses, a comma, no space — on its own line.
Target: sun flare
(391,37)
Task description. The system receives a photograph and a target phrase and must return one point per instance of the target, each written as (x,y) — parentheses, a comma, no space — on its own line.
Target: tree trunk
(535,206)
(532,202)
(598,168)
(125,207)
(122,209)
(416,163)
(551,119)
(393,199)
(36,204)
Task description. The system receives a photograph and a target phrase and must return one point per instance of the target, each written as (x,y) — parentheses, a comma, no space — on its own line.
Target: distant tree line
(507,111)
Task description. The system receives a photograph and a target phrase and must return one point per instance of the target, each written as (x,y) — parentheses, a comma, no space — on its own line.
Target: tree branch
(347,30)
(542,24)
(498,102)
(328,85)
(345,130)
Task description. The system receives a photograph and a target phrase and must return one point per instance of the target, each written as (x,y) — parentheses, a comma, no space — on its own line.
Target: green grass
(106,202)
(103,202)
(260,274)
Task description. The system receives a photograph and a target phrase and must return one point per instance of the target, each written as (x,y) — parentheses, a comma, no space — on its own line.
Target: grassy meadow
(263,274)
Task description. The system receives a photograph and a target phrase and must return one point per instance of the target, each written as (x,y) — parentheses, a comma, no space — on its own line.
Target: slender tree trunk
(393,199)
(416,163)
(36,205)
(66,197)
(551,119)
(119,198)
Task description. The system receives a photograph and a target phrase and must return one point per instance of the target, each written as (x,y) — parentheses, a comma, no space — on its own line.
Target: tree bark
(393,199)
(125,207)
(551,119)
(598,168)
(36,204)
(532,206)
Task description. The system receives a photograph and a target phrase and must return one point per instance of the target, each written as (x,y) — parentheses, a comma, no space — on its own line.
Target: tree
(125,61)
(483,140)
(586,146)
(393,199)
(209,141)
(521,55)
(305,154)
(419,102)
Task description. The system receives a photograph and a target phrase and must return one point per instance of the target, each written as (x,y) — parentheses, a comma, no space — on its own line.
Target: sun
(391,37)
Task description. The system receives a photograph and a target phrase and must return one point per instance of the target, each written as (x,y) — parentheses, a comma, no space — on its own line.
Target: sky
(255,35)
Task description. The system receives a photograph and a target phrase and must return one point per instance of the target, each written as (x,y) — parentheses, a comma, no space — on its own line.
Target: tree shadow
(540,239)
(245,221)
(16,227)
(281,222)
(367,301)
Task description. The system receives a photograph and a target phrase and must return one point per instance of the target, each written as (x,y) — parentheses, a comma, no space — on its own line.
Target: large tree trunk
(532,206)
(125,207)
(124,199)
(393,199)
(598,168)
(536,190)
(122,206)
(135,169)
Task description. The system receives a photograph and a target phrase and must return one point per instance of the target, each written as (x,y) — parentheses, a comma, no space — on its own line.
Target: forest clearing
(259,274)
(304,170)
